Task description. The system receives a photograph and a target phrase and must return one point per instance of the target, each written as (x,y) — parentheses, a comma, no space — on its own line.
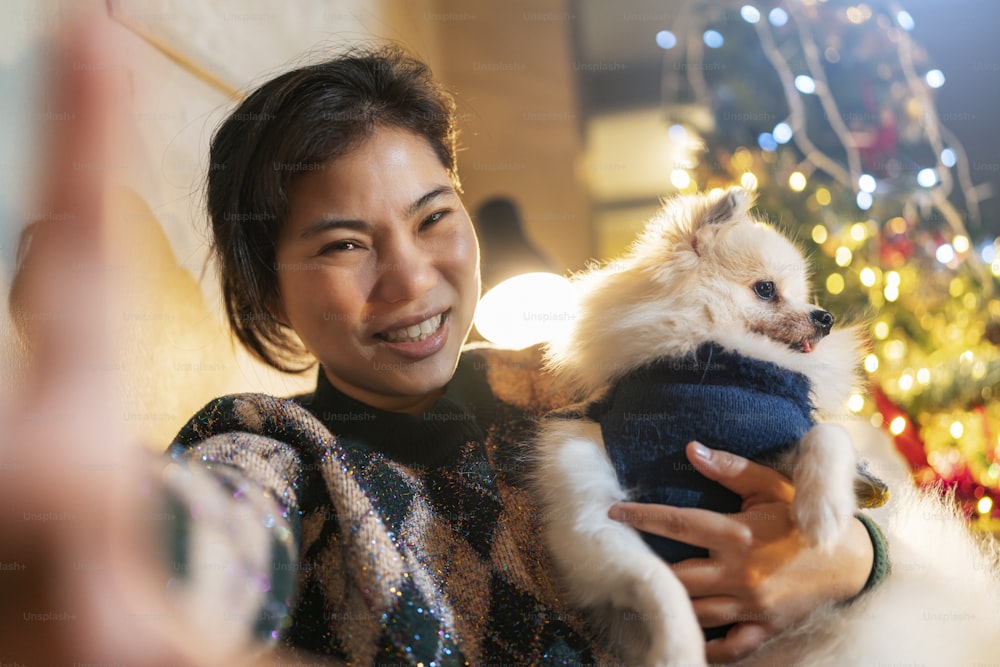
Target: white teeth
(415,332)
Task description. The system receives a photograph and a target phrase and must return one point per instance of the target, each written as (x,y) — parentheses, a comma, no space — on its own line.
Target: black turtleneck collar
(461,414)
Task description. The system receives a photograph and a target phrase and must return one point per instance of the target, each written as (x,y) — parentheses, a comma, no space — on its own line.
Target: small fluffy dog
(704,331)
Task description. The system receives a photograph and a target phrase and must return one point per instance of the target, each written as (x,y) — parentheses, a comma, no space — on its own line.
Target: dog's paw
(662,613)
(675,637)
(824,490)
(681,652)
(822,514)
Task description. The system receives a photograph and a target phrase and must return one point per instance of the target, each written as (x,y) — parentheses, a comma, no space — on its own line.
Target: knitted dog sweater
(722,399)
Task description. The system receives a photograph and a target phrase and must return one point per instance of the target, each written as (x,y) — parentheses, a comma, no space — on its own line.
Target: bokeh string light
(827,110)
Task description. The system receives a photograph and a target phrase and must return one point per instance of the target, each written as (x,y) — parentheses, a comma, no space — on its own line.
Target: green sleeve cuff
(880,547)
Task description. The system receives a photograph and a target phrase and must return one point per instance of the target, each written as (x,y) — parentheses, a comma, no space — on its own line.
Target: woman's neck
(406,404)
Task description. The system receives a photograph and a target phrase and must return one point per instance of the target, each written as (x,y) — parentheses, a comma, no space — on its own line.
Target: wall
(186,61)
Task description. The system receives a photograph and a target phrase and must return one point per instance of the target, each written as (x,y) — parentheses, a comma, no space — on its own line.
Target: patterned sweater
(400,540)
(359,536)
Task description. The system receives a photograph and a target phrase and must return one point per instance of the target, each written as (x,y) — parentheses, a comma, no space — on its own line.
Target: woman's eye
(339,246)
(765,290)
(434,217)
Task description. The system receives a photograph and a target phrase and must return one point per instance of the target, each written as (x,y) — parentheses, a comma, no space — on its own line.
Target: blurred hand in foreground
(79,566)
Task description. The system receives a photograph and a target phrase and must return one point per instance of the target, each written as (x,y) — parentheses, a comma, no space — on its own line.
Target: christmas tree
(827,110)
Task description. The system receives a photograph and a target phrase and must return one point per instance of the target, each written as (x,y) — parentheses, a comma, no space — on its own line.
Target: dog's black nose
(822,320)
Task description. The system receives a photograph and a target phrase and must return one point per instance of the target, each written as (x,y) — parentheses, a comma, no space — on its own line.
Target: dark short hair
(292,125)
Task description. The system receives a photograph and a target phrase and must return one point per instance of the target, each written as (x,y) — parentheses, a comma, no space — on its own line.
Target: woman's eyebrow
(428,197)
(327,224)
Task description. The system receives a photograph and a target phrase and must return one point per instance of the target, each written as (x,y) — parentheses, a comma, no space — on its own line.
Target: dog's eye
(765,290)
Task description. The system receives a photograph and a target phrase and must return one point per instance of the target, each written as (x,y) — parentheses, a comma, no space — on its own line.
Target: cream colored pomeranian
(705,330)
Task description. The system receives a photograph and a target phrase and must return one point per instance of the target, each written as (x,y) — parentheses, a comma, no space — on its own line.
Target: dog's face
(744,275)
(765,277)
(704,270)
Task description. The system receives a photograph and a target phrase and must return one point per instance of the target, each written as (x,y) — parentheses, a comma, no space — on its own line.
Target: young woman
(341,237)
(382,517)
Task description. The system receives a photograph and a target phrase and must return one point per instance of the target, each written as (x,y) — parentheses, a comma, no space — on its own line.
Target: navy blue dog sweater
(724,400)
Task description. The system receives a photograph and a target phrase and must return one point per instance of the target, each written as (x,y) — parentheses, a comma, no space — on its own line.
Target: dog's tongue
(807,346)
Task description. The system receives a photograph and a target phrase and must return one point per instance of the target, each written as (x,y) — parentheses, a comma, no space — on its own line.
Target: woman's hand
(79,562)
(760,574)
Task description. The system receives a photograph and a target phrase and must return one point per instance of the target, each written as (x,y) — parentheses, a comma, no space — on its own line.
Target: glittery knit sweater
(371,537)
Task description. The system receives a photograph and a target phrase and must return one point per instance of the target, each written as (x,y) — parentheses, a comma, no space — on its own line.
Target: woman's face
(378,271)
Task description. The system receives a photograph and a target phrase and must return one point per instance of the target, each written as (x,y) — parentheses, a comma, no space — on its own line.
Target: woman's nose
(406,271)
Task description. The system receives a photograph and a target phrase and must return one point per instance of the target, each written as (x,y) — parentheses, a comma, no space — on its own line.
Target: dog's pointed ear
(733,204)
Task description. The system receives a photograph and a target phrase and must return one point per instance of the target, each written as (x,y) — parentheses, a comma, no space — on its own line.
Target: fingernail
(701,451)
(616,513)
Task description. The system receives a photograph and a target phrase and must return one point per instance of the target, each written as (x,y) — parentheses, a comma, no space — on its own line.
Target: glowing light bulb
(750,13)
(782,133)
(985,505)
(934,78)
(868,277)
(666,39)
(835,283)
(927,177)
(897,425)
(823,197)
(526,309)
(956,429)
(960,243)
(865,200)
(956,287)
(944,253)
(871,363)
(859,231)
(797,181)
(895,349)
(843,256)
(948,157)
(713,39)
(749,181)
(867,183)
(778,17)
(858,14)
(805,84)
(819,234)
(856,403)
(680,179)
(766,142)
(904,20)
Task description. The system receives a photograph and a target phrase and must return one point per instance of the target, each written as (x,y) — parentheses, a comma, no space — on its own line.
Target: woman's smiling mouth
(415,332)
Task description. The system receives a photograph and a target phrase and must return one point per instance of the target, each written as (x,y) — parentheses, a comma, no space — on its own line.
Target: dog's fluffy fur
(940,604)
(690,278)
